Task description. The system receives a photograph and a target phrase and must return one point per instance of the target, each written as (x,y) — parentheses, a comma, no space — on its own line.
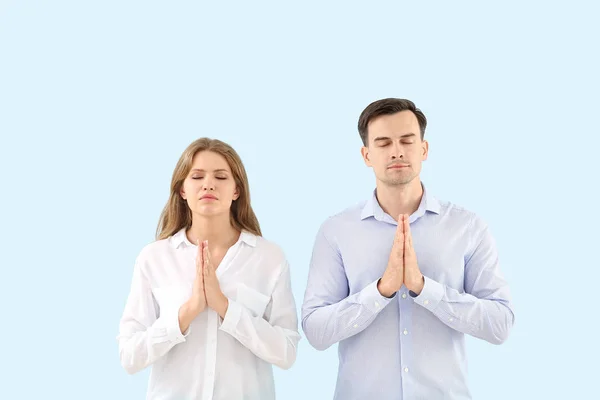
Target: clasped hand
(206,291)
(402,265)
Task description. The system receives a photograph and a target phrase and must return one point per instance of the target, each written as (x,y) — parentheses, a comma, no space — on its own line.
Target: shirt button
(377,304)
(426,302)
(355,325)
(405,369)
(403,295)
(405,332)
(451,319)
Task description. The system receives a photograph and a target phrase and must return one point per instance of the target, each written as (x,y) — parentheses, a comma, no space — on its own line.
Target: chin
(210,210)
(398,180)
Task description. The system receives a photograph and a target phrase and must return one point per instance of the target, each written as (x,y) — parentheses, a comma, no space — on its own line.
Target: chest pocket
(253,300)
(172,296)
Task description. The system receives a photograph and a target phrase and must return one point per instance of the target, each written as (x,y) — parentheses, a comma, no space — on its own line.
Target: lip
(208,197)
(398,166)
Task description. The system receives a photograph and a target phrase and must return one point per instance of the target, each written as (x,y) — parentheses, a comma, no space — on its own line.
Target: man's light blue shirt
(405,347)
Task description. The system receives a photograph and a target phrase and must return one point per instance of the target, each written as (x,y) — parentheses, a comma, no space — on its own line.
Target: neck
(216,229)
(400,199)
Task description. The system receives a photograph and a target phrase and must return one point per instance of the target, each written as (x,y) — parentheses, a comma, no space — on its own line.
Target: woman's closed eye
(217,177)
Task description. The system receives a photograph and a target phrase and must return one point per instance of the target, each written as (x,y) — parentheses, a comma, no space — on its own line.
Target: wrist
(185,316)
(384,289)
(222,307)
(188,310)
(416,286)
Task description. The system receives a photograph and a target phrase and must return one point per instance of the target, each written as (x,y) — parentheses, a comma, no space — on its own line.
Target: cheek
(225,188)
(413,151)
(190,186)
(232,190)
(380,158)
(419,153)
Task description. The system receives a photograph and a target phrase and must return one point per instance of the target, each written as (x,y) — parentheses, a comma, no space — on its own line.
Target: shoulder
(342,219)
(270,252)
(156,247)
(455,210)
(462,217)
(269,249)
(270,258)
(153,251)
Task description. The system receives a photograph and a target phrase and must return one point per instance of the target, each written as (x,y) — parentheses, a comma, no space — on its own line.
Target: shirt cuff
(232,317)
(372,299)
(431,295)
(173,331)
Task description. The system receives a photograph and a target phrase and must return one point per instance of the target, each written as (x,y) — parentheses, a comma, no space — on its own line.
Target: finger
(206,266)
(200,262)
(409,251)
(198,259)
(407,232)
(399,247)
(208,258)
(399,236)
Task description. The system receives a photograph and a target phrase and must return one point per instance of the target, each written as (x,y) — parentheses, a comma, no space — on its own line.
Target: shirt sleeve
(273,339)
(484,309)
(329,313)
(145,332)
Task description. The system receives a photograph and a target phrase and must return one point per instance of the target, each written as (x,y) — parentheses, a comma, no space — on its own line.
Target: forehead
(394,125)
(209,160)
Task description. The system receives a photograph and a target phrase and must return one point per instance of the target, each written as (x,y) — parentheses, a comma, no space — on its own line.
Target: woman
(211,306)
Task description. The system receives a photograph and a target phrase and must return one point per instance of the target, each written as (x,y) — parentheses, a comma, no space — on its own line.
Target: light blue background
(99,99)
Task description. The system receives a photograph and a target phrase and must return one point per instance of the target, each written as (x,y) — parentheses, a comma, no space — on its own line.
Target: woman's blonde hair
(176,213)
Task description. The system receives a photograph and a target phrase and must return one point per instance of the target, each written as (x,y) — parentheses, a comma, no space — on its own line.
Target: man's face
(394,149)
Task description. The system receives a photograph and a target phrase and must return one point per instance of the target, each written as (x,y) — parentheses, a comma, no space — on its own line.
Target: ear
(182,193)
(364,151)
(236,193)
(425,147)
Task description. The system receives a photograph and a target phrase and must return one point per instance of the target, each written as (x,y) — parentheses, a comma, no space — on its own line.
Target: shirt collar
(180,239)
(372,208)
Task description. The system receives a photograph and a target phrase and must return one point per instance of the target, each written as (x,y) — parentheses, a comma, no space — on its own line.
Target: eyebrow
(406,135)
(216,170)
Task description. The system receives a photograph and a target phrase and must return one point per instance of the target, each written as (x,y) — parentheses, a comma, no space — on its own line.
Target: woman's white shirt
(215,358)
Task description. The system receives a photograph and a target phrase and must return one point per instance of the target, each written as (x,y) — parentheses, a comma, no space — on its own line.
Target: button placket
(405,307)
(211,355)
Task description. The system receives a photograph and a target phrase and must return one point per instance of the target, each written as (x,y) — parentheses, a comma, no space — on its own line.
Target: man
(400,279)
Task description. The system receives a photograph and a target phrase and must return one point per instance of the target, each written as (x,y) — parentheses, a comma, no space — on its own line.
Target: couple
(397,281)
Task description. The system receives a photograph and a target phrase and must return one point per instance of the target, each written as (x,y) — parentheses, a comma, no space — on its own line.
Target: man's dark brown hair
(387,107)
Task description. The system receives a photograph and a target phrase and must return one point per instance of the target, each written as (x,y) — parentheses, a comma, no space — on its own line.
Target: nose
(208,184)
(397,151)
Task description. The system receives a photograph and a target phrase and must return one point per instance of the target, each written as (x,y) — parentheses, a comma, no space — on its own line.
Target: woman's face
(209,187)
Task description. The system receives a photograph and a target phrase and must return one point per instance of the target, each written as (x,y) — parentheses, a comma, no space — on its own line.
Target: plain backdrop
(99,98)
